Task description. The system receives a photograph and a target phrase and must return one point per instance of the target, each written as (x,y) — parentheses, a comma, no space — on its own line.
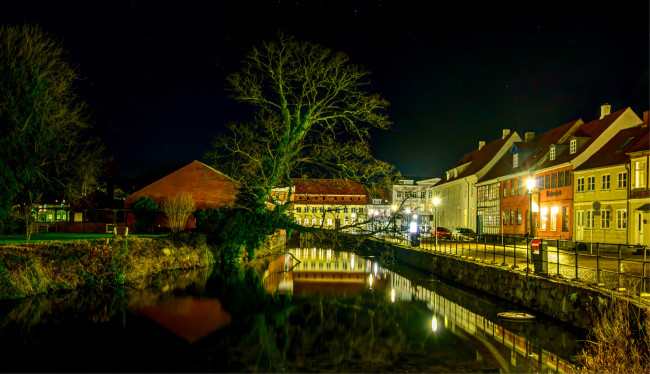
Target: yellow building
(602,199)
(639,202)
(329,203)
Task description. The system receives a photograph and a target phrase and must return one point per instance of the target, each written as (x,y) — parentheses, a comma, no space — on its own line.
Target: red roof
(614,151)
(642,143)
(478,158)
(209,188)
(328,187)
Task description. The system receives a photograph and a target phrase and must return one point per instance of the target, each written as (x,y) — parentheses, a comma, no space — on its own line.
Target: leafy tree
(42,121)
(312,119)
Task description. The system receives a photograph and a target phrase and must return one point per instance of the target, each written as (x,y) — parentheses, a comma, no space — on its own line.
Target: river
(309,310)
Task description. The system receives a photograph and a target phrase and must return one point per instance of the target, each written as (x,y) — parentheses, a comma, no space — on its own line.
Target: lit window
(573,146)
(298,221)
(515,160)
(544,217)
(552,155)
(565,219)
(519,216)
(313,222)
(554,218)
(639,174)
(329,222)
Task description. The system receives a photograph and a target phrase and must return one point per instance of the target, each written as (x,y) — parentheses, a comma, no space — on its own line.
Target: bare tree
(177,209)
(313,119)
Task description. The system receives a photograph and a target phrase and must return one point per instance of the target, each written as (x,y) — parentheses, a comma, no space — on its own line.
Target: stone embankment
(571,302)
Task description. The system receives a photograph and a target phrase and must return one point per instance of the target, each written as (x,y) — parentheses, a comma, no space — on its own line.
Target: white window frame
(621,219)
(639,174)
(622,179)
(606,182)
(580,184)
(589,218)
(552,153)
(591,184)
(515,160)
(329,222)
(573,146)
(604,219)
(298,221)
(313,221)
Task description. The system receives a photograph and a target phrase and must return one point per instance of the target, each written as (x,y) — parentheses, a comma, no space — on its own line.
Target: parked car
(461,233)
(443,233)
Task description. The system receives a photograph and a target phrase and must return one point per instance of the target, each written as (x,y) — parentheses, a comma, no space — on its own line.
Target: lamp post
(436,201)
(394,209)
(530,184)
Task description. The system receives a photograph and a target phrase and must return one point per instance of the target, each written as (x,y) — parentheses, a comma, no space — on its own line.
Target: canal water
(310,310)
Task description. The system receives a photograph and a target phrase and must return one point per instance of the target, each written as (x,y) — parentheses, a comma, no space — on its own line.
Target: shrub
(177,209)
(144,213)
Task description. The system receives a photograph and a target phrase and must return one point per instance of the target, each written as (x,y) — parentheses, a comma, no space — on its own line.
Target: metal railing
(610,266)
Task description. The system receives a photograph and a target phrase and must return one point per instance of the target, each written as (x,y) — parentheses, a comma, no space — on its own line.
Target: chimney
(529,136)
(605,110)
(481,144)
(645,118)
(506,132)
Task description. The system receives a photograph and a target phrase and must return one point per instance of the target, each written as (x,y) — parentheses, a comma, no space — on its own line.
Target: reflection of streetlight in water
(392,295)
(434,324)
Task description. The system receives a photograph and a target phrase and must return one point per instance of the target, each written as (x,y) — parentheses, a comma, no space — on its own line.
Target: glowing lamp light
(436,201)
(371,211)
(535,207)
(434,324)
(370,280)
(413,227)
(531,183)
(394,208)
(408,211)
(554,210)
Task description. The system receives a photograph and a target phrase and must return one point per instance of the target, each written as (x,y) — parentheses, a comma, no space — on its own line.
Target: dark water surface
(331,312)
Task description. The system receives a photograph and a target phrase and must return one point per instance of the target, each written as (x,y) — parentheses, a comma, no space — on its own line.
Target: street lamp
(530,184)
(436,201)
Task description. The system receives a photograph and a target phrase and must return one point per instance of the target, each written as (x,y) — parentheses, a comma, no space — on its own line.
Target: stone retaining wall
(575,303)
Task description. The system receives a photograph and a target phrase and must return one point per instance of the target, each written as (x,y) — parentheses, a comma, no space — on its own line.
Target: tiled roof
(478,158)
(328,187)
(642,143)
(610,154)
(539,146)
(592,130)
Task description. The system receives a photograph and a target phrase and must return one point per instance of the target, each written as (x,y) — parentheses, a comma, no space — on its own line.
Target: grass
(31,268)
(63,237)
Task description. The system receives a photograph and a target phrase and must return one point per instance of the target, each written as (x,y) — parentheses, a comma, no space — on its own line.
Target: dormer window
(515,160)
(573,146)
(552,154)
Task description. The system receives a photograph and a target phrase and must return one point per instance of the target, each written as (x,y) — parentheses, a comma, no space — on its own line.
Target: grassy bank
(33,268)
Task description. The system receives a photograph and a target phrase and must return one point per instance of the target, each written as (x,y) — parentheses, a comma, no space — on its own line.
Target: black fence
(610,266)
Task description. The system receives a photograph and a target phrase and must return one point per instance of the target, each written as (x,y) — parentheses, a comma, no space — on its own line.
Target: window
(505,189)
(622,180)
(591,183)
(407,195)
(567,178)
(565,219)
(399,194)
(298,221)
(519,216)
(353,210)
(329,222)
(360,210)
(512,216)
(554,219)
(543,217)
(639,174)
(345,209)
(605,182)
(422,195)
(506,214)
(621,219)
(421,207)
(560,179)
(554,180)
(321,209)
(515,160)
(313,209)
(547,181)
(573,146)
(329,209)
(552,154)
(580,185)
(313,221)
(540,182)
(590,219)
(604,219)
(512,187)
(430,194)
(298,209)
(519,186)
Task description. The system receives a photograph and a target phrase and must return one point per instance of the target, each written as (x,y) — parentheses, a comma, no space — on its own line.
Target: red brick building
(209,188)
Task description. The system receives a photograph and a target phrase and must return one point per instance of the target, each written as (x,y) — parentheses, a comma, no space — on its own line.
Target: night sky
(455,72)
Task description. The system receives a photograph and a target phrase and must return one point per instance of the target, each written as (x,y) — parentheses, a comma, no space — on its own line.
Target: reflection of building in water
(324,271)
(493,342)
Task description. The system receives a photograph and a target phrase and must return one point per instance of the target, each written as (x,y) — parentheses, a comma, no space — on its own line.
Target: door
(639,228)
(580,221)
(479,224)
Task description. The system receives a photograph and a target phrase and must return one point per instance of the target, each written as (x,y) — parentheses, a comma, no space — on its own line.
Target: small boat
(516,316)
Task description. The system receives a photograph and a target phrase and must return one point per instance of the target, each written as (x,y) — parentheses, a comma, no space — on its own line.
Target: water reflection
(509,346)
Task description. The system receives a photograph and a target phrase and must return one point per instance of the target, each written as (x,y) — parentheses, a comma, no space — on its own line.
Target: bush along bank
(35,268)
